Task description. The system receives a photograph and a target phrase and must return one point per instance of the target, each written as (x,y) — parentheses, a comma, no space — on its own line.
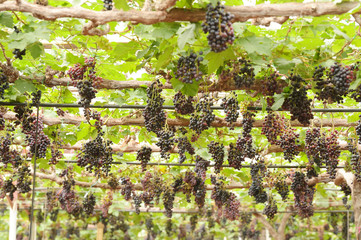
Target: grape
(184,146)
(282,189)
(137,199)
(17,52)
(303,195)
(358,129)
(230,106)
(355,161)
(108,5)
(154,115)
(188,68)
(89,204)
(245,77)
(289,143)
(165,142)
(217,151)
(203,117)
(271,208)
(4,83)
(272,127)
(219,27)
(127,188)
(235,157)
(183,105)
(168,199)
(143,155)
(256,190)
(201,167)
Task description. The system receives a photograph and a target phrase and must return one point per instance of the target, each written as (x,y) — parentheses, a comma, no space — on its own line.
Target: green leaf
(186,35)
(279,100)
(36,49)
(84,131)
(254,44)
(356,83)
(73,59)
(24,86)
(124,51)
(121,4)
(190,89)
(6,19)
(215,60)
(177,85)
(164,58)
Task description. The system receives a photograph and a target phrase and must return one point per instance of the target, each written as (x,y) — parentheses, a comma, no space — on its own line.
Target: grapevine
(183,105)
(230,106)
(188,68)
(203,117)
(217,151)
(143,155)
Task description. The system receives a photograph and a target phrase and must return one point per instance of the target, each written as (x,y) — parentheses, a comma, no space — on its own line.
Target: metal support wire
(34,176)
(193,165)
(70,105)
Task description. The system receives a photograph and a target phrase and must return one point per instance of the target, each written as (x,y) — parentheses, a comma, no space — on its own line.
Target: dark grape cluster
(184,146)
(84,78)
(298,102)
(37,138)
(165,142)
(245,142)
(96,155)
(282,189)
(232,207)
(108,4)
(203,117)
(341,77)
(68,199)
(113,181)
(271,208)
(256,190)
(137,200)
(188,68)
(219,194)
(6,154)
(23,179)
(24,117)
(4,83)
(201,167)
(315,146)
(17,52)
(235,157)
(89,204)
(127,188)
(197,186)
(289,143)
(303,195)
(219,27)
(56,154)
(217,151)
(271,85)
(230,106)
(272,127)
(183,104)
(245,76)
(143,155)
(168,199)
(154,115)
(347,191)
(51,200)
(54,215)
(355,161)
(333,153)
(8,188)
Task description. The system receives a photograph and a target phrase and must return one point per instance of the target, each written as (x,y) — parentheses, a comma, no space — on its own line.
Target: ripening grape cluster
(183,104)
(154,115)
(272,127)
(271,85)
(245,76)
(108,4)
(257,190)
(315,146)
(168,199)
(245,142)
(37,140)
(203,116)
(271,208)
(282,189)
(165,142)
(358,129)
(355,161)
(303,195)
(235,157)
(67,196)
(230,106)
(96,155)
(201,167)
(84,79)
(298,102)
(4,83)
(143,155)
(89,204)
(127,188)
(333,153)
(184,146)
(216,149)
(188,68)
(219,27)
(289,143)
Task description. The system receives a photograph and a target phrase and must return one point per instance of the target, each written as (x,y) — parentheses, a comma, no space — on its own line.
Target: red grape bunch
(188,68)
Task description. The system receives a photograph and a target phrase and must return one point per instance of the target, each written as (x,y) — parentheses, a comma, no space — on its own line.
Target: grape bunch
(86,92)
(6,154)
(17,52)
(188,68)
(201,167)
(298,102)
(245,76)
(341,77)
(4,83)
(56,154)
(282,189)
(219,27)
(315,146)
(137,199)
(165,142)
(289,143)
(202,118)
(38,138)
(235,157)
(143,155)
(89,204)
(127,188)
(168,200)
(8,188)
(303,195)
(256,190)
(219,194)
(217,151)
(106,203)
(183,105)
(24,117)
(184,146)
(154,115)
(68,199)
(230,106)
(113,181)
(244,142)
(272,127)
(347,191)
(271,208)
(355,161)
(23,179)
(232,207)
(51,200)
(108,4)
(96,155)
(333,153)
(271,85)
